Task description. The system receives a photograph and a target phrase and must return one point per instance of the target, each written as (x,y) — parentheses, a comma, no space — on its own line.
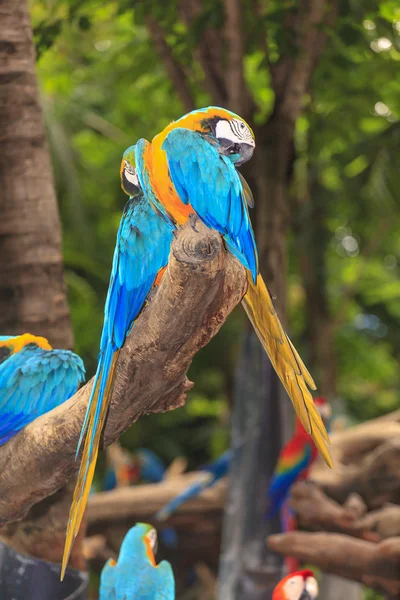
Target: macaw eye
(242,125)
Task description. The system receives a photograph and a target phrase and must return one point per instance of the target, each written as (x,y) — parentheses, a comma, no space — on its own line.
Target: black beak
(242,150)
(246,152)
(305,595)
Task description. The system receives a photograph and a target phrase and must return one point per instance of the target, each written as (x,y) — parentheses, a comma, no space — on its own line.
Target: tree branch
(208,52)
(367,461)
(239,98)
(202,285)
(314,510)
(172,66)
(376,565)
(291,76)
(143,501)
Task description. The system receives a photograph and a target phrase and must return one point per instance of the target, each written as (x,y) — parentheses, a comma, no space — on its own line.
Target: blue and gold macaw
(210,475)
(140,258)
(136,575)
(191,170)
(34,379)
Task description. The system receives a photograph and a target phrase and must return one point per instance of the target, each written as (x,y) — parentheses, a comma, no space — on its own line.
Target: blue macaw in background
(210,475)
(151,467)
(34,379)
(140,258)
(128,469)
(136,575)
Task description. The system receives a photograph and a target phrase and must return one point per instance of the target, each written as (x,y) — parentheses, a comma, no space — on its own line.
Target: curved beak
(246,152)
(239,153)
(305,595)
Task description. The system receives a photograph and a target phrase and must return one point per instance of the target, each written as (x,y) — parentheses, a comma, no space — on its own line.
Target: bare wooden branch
(314,510)
(375,475)
(202,285)
(143,501)
(377,565)
(174,69)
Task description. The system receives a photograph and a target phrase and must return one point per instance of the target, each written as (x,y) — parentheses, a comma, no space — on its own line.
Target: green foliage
(104,86)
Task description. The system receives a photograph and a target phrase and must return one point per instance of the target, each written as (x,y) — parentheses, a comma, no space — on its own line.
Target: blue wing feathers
(142,249)
(279,487)
(34,381)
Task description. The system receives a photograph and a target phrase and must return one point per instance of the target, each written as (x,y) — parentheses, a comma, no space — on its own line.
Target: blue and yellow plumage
(141,253)
(192,170)
(34,379)
(136,575)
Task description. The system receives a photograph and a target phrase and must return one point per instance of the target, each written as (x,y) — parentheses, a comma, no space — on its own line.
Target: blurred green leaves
(104,86)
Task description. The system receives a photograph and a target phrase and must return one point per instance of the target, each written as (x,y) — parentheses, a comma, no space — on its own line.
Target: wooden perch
(314,510)
(376,565)
(201,287)
(143,501)
(366,461)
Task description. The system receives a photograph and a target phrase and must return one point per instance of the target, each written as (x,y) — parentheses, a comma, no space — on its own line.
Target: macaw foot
(193,218)
(151,294)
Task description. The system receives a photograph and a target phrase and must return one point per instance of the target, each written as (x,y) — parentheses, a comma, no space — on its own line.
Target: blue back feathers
(209,182)
(141,250)
(33,381)
(135,576)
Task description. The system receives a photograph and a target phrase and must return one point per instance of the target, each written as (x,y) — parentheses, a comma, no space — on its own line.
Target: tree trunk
(32,291)
(248,569)
(312,240)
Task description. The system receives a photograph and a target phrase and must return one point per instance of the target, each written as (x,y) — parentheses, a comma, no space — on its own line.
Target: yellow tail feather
(87,466)
(284,358)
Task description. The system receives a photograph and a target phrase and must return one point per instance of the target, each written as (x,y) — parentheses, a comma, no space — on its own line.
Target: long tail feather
(284,358)
(94,422)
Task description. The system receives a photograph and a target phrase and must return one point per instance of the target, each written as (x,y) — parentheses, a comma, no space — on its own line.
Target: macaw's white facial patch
(152,537)
(235,131)
(130,174)
(312,586)
(294,587)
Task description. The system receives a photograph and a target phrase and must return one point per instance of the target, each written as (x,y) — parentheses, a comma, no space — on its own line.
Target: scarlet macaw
(294,461)
(136,575)
(190,169)
(211,474)
(141,254)
(34,379)
(301,585)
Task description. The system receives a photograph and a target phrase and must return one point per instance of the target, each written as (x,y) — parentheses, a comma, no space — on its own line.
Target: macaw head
(140,543)
(17,342)
(234,136)
(129,178)
(300,585)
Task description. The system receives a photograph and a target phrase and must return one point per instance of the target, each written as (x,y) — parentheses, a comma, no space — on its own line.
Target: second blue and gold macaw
(141,254)
(34,379)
